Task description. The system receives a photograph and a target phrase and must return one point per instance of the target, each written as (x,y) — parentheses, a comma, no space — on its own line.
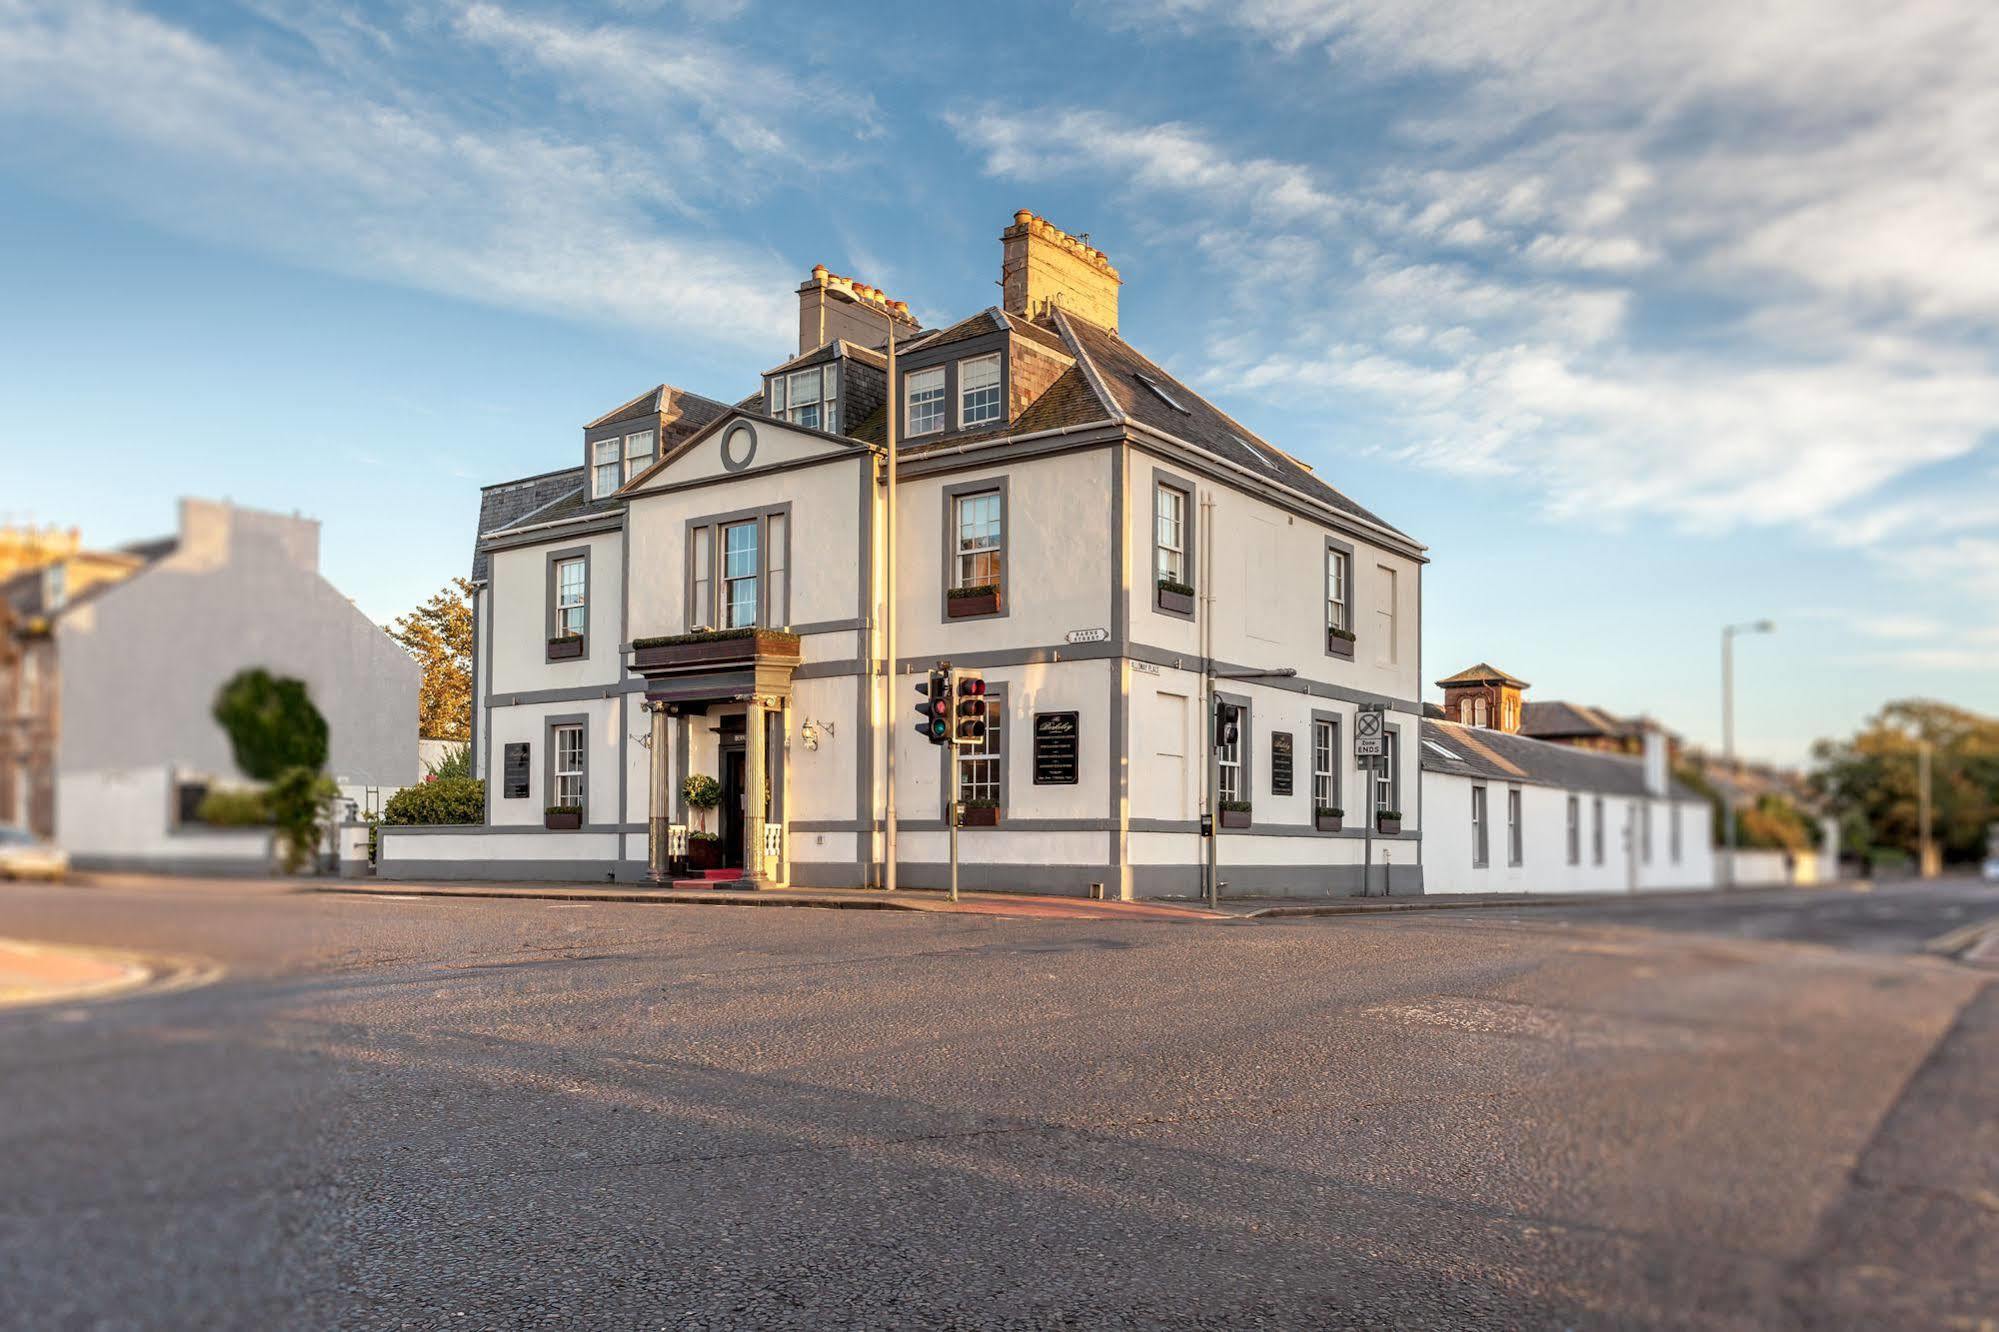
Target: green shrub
(1235,806)
(711,636)
(457,762)
(241,808)
(446,800)
(1175,585)
(978,590)
(271,723)
(701,790)
(299,800)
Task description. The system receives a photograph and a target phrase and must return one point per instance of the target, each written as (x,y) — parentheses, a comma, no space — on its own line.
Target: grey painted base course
(207,867)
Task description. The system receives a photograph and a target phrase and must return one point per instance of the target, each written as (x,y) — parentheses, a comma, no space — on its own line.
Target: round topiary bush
(272,724)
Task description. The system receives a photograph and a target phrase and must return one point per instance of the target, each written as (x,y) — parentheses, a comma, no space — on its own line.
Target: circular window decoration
(739,446)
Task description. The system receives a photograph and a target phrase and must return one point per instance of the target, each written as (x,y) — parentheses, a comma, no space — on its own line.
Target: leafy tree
(1870,779)
(438,634)
(271,723)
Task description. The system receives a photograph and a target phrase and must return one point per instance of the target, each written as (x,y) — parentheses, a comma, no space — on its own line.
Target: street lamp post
(1728,634)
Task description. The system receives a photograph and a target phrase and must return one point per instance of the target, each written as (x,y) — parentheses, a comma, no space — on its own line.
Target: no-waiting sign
(1369,733)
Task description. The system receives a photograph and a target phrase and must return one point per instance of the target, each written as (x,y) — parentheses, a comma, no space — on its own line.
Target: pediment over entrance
(738,444)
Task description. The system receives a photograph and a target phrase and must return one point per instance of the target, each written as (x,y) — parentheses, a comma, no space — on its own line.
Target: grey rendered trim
(569,694)
(947,784)
(1325,638)
(818,626)
(595,524)
(554,558)
(1339,760)
(729,462)
(1246,748)
(1268,830)
(1172,481)
(860,452)
(1045,825)
(1003,483)
(498,829)
(1289,881)
(943,458)
(548,725)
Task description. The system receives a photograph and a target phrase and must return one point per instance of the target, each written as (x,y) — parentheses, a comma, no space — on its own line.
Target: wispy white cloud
(307,161)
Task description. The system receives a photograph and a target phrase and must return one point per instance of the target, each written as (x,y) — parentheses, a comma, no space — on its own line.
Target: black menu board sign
(1280,763)
(1055,748)
(517,771)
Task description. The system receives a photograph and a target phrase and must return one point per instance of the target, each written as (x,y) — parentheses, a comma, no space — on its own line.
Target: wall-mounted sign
(516,787)
(1055,748)
(1089,635)
(1144,668)
(1280,763)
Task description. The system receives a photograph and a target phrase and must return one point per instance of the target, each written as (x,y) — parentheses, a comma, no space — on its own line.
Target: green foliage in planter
(299,798)
(1328,812)
(712,636)
(271,723)
(701,790)
(1345,634)
(1175,585)
(979,590)
(982,803)
(704,837)
(446,800)
(1235,806)
(234,809)
(1394,814)
(564,809)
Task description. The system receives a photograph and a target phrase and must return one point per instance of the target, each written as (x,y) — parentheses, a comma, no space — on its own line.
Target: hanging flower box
(563,818)
(1235,813)
(565,647)
(1175,596)
(1339,643)
(1388,822)
(1327,820)
(964,602)
(712,648)
(978,814)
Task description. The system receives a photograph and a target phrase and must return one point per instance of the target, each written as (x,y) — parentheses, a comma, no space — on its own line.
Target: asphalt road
(440,1113)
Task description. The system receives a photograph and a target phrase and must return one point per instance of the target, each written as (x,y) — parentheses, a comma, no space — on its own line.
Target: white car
(26,856)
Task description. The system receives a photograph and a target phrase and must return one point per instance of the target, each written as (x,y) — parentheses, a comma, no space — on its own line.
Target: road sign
(1370,733)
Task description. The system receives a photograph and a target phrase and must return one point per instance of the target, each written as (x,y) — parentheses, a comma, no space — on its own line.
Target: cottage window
(809,398)
(1478,844)
(1170,507)
(979,391)
(1325,757)
(926,400)
(1388,777)
(739,575)
(1575,830)
(568,746)
(1337,612)
(604,467)
(638,454)
(1516,851)
(572,596)
(1645,832)
(1675,833)
(1596,831)
(981,540)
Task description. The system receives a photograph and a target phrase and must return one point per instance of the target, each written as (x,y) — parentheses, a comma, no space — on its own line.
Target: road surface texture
(440,1113)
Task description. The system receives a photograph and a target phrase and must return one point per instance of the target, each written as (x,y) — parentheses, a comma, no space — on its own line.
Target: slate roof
(26,593)
(1483,673)
(1570,719)
(823,353)
(1477,751)
(506,503)
(1123,372)
(985,321)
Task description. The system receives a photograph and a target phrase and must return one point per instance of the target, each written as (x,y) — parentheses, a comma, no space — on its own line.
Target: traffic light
(969,719)
(1228,719)
(935,709)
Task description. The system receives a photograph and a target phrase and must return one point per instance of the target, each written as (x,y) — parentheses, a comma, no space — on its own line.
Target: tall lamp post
(1728,634)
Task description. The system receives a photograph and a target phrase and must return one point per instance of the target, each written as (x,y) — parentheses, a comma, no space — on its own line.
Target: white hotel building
(705,591)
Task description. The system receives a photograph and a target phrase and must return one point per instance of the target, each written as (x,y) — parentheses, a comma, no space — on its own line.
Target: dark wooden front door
(733,771)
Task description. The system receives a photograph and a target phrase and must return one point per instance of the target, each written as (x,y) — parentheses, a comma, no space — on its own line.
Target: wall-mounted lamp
(809,730)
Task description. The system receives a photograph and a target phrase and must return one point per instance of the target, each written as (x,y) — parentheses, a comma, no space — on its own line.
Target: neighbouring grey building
(135,664)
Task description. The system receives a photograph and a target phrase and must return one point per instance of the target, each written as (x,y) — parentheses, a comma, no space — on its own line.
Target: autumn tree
(1870,779)
(439,635)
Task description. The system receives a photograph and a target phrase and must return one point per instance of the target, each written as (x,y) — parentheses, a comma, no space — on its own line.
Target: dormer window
(925,390)
(807,397)
(638,454)
(979,391)
(604,467)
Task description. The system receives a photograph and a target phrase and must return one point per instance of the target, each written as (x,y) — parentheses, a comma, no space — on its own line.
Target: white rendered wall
(1448,853)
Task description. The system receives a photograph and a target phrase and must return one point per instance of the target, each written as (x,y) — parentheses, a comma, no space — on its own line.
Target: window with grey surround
(1337,609)
(924,390)
(979,771)
(1596,831)
(1169,506)
(1516,851)
(981,539)
(1575,830)
(1478,836)
(638,454)
(1645,832)
(567,743)
(572,597)
(1388,777)
(1675,832)
(1228,762)
(604,466)
(979,398)
(741,568)
(807,397)
(1325,758)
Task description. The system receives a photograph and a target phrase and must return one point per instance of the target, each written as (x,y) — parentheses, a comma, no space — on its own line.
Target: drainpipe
(888,701)
(1210,887)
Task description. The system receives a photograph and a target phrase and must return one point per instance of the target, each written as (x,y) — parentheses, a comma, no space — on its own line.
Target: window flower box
(562,818)
(1175,596)
(1388,822)
(964,602)
(1235,813)
(565,647)
(1328,820)
(712,648)
(1339,643)
(978,814)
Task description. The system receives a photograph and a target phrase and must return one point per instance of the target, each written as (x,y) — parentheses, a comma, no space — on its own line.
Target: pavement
(406,1111)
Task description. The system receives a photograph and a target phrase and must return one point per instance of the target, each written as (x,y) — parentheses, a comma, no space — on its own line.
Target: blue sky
(1644,319)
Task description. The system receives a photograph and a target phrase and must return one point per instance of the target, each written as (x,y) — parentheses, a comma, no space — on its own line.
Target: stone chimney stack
(1484,695)
(831,306)
(1043,267)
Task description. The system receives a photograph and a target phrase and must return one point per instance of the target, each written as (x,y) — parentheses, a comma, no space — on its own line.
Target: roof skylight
(1159,391)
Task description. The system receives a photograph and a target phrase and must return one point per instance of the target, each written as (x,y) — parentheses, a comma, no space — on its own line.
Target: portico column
(659,813)
(753,790)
